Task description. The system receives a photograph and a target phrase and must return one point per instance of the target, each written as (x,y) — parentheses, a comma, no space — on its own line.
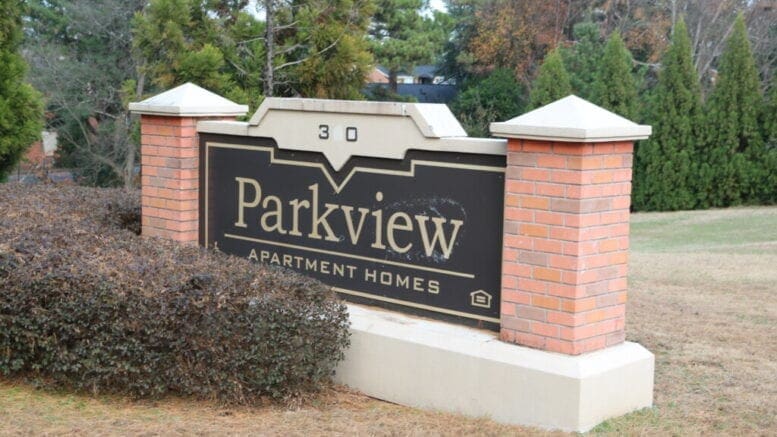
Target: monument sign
(405,221)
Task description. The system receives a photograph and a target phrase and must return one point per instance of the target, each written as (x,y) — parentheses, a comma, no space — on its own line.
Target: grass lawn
(703,299)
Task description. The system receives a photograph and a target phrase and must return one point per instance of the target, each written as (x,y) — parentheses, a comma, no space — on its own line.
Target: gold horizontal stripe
(416,305)
(349,255)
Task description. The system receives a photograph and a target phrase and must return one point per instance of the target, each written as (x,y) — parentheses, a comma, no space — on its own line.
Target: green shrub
(87,304)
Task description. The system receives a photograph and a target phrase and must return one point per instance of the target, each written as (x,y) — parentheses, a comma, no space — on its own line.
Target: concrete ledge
(439,366)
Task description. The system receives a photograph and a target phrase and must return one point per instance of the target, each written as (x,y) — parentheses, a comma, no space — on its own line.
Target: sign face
(421,235)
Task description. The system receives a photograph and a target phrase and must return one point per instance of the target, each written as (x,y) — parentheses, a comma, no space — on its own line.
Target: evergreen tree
(582,60)
(733,144)
(767,184)
(402,37)
(552,81)
(664,170)
(342,57)
(21,108)
(498,97)
(615,87)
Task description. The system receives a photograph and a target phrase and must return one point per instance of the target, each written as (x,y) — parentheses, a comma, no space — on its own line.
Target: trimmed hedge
(87,304)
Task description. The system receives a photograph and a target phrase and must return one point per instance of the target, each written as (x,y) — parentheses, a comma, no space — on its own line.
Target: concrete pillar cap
(571,119)
(188,100)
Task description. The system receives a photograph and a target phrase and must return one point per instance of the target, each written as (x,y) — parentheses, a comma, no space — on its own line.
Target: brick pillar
(170,158)
(566,227)
(170,177)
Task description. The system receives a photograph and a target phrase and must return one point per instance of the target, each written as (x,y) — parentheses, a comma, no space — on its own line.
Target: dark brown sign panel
(422,234)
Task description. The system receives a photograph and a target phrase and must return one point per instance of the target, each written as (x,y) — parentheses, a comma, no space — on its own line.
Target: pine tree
(552,81)
(664,170)
(582,60)
(615,87)
(21,108)
(767,185)
(733,143)
(402,37)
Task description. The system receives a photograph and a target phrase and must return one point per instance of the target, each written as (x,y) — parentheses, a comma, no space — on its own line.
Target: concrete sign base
(436,365)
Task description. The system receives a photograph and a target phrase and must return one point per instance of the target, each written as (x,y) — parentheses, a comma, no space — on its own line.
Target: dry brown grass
(703,298)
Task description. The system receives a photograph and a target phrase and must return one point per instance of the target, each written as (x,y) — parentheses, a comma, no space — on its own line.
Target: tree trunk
(269,43)
(393,82)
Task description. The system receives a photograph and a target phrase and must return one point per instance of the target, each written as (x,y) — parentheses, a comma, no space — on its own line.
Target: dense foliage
(88,304)
(90,57)
(666,165)
(21,109)
(734,147)
(497,97)
(615,87)
(552,81)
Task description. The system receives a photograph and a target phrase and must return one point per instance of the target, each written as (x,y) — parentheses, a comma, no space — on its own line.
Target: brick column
(170,158)
(566,227)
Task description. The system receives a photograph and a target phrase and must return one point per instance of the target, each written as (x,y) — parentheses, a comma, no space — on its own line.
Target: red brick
(533,286)
(551,161)
(535,174)
(564,262)
(518,241)
(565,290)
(510,282)
(530,340)
(578,305)
(546,274)
(584,162)
(534,230)
(516,297)
(552,190)
(533,257)
(518,214)
(545,329)
(566,177)
(537,146)
(548,246)
(548,218)
(532,202)
(547,302)
(519,187)
(573,148)
(560,346)
(530,312)
(516,324)
(516,270)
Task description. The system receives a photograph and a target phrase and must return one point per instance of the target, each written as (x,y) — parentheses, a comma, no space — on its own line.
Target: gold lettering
(439,235)
(385,278)
(311,264)
(418,284)
(252,256)
(287,260)
(277,212)
(296,204)
(403,281)
(434,287)
(392,226)
(321,220)
(378,224)
(347,210)
(370,275)
(242,204)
